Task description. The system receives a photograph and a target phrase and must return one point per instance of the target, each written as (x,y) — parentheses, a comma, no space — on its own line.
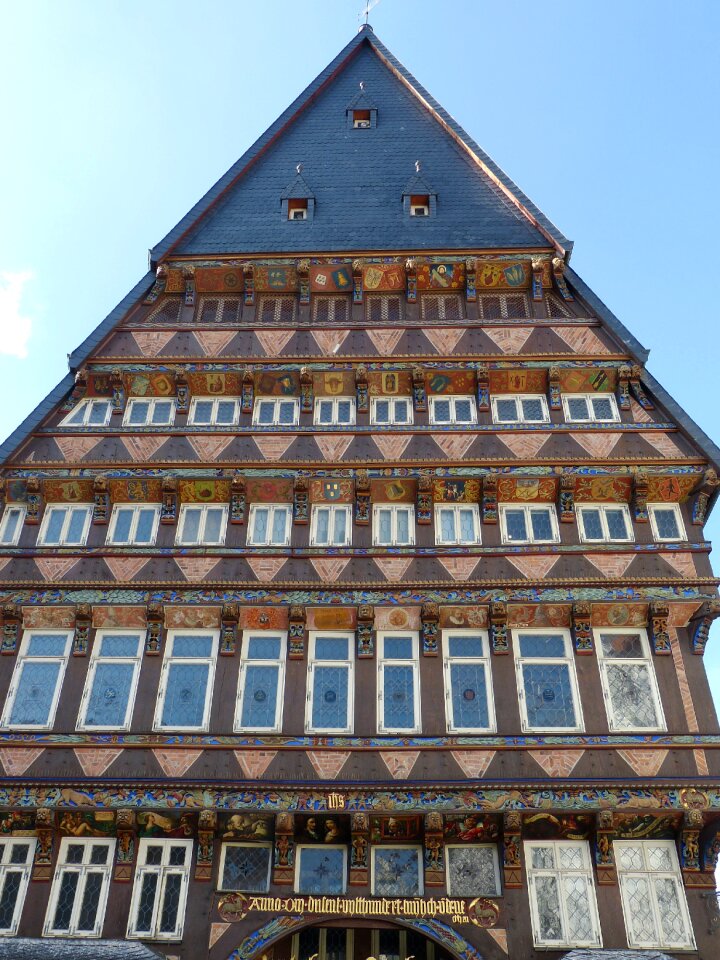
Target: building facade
(354,583)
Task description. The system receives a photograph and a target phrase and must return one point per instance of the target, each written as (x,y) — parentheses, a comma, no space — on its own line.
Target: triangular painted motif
(330,341)
(329,568)
(16,760)
(664,445)
(391,447)
(143,448)
(682,563)
(265,568)
(76,448)
(454,445)
(610,565)
(385,341)
(209,449)
(645,763)
(399,762)
(444,341)
(273,448)
(460,568)
(533,568)
(557,763)
(216,931)
(581,340)
(333,448)
(393,568)
(274,342)
(473,763)
(54,568)
(176,763)
(509,339)
(598,445)
(125,568)
(151,342)
(196,569)
(95,760)
(524,446)
(327,764)
(254,763)
(213,342)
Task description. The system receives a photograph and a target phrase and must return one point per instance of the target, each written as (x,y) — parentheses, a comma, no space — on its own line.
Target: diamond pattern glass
(468,684)
(543,858)
(170,903)
(515,525)
(441,411)
(396,872)
(542,645)
(548,695)
(506,410)
(66,899)
(108,700)
(263,648)
(617,527)
(398,697)
(184,704)
(473,871)
(321,870)
(631,695)
(577,910)
(666,523)
(592,524)
(532,409)
(146,902)
(260,696)
(330,697)
(578,408)
(246,868)
(541,523)
(603,408)
(35,693)
(8,898)
(547,901)
(671,916)
(90,902)
(641,916)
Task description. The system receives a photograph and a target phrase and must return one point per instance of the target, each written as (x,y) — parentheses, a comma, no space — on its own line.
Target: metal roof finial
(299,168)
(417,166)
(362,85)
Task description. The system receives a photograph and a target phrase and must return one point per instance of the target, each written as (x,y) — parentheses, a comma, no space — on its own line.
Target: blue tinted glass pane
(35,692)
(119,646)
(402,518)
(467,526)
(331,648)
(667,525)
(76,529)
(515,523)
(107,704)
(506,410)
(592,524)
(402,411)
(469,695)
(214,525)
(398,648)
(542,645)
(260,525)
(259,696)
(578,408)
(287,411)
(548,695)
(330,698)
(441,411)
(65,900)
(266,411)
(382,411)
(532,409)
(263,648)
(184,704)
(98,412)
(384,526)
(344,411)
(541,525)
(123,523)
(463,411)
(139,411)
(8,899)
(189,645)
(325,411)
(603,408)
(617,528)
(465,646)
(246,868)
(225,411)
(54,525)
(12,520)
(396,872)
(447,525)
(279,525)
(46,645)
(322,524)
(340,534)
(78,415)
(203,411)
(191,525)
(398,697)
(145,525)
(321,870)
(162,411)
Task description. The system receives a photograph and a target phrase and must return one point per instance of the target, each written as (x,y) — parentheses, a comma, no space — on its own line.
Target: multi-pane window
(219,310)
(590,408)
(330,309)
(269,525)
(529,524)
(653,898)
(452,409)
(628,679)
(468,686)
(109,695)
(185,692)
(473,870)
(503,306)
(262,680)
(331,525)
(65,525)
(321,869)
(37,678)
(666,521)
(202,524)
(391,410)
(134,523)
(157,910)
(275,411)
(442,306)
(381,308)
(16,858)
(334,411)
(563,907)
(149,412)
(89,413)
(214,411)
(520,409)
(11,524)
(457,523)
(546,679)
(277,309)
(396,871)
(398,683)
(393,525)
(604,522)
(330,683)
(80,888)
(245,867)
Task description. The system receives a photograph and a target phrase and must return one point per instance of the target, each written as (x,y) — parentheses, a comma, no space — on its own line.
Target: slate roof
(22,948)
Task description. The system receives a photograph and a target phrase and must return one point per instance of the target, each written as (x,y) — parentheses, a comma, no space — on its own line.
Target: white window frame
(527,508)
(95,659)
(25,869)
(603,664)
(393,507)
(339,307)
(313,663)
(414,662)
(397,846)
(392,420)
(345,508)
(475,846)
(169,659)
(334,421)
(675,875)
(68,507)
(12,508)
(246,661)
(253,846)
(675,508)
(22,659)
(456,508)
(453,398)
(136,509)
(589,398)
(559,873)
(204,508)
(317,846)
(86,405)
(151,401)
(580,508)
(518,398)
(83,869)
(276,412)
(271,507)
(568,659)
(448,660)
(215,401)
(163,870)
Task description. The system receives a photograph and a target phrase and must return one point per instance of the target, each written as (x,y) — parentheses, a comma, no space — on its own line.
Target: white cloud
(15,325)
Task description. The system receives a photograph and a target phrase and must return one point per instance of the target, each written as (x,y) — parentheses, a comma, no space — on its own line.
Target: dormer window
(361,112)
(298,201)
(420,205)
(297,209)
(418,198)
(361,120)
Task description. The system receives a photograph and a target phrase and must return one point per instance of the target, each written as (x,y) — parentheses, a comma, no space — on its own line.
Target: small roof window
(298,200)
(419,199)
(361,112)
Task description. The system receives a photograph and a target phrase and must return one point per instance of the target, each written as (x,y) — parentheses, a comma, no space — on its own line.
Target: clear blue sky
(119,114)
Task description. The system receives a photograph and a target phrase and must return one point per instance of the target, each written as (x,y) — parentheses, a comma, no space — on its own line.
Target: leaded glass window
(468,687)
(512,408)
(89,413)
(330,683)
(245,867)
(547,683)
(37,678)
(109,693)
(80,888)
(331,525)
(653,898)
(261,684)
(214,411)
(65,525)
(202,525)
(157,910)
(393,525)
(398,683)
(452,409)
(16,858)
(457,523)
(320,869)
(473,870)
(186,681)
(590,408)
(269,525)
(562,894)
(274,411)
(529,524)
(605,523)
(628,678)
(149,412)
(396,871)
(334,411)
(134,524)
(666,521)
(391,410)
(12,523)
